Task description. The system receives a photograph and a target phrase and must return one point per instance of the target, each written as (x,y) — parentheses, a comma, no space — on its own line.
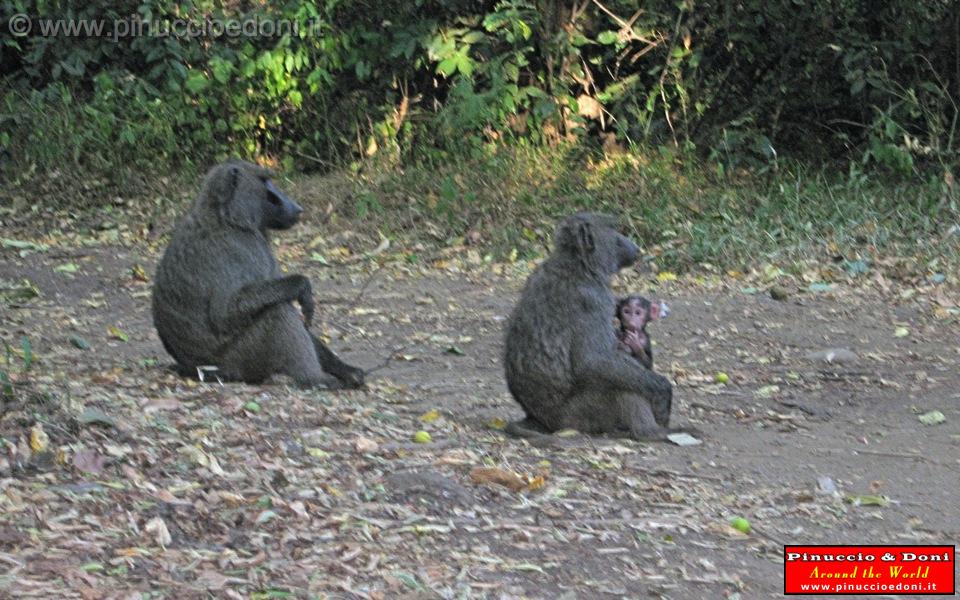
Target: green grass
(505,198)
(511,198)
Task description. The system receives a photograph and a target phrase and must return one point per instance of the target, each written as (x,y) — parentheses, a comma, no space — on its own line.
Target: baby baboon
(562,363)
(220,299)
(633,313)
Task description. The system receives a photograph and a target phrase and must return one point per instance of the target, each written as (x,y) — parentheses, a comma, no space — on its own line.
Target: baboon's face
(626,250)
(594,237)
(279,211)
(241,194)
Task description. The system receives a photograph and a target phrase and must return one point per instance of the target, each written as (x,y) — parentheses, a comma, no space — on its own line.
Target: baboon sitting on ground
(219,298)
(562,360)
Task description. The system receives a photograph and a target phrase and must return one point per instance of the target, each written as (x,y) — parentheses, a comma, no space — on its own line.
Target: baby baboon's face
(635,314)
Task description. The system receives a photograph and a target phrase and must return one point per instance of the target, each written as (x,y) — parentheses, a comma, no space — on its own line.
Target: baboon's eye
(271,197)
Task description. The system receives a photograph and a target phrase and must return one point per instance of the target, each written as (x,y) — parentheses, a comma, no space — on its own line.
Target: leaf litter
(119,478)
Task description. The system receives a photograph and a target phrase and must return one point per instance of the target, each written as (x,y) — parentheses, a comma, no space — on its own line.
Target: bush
(744,84)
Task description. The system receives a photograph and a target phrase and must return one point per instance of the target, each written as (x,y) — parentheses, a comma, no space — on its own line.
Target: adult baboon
(562,363)
(220,299)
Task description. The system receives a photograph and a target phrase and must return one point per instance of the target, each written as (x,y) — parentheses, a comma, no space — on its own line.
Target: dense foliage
(744,84)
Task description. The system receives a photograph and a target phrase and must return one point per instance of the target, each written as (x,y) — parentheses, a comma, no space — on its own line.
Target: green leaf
(464,64)
(271,594)
(447,66)
(473,37)
(580,40)
(767,391)
(867,500)
(25,247)
(221,69)
(408,580)
(607,37)
(267,515)
(27,352)
(95,416)
(856,267)
(67,268)
(6,386)
(196,82)
(934,417)
(525,30)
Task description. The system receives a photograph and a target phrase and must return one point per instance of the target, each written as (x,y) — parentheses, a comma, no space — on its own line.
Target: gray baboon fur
(562,362)
(219,298)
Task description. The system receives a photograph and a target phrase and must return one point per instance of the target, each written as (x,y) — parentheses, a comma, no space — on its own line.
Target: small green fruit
(422,437)
(740,524)
(721,377)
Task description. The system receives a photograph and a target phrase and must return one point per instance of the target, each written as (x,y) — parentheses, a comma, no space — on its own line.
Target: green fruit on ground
(740,524)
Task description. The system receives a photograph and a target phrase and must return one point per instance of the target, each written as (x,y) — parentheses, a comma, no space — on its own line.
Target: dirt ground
(151,483)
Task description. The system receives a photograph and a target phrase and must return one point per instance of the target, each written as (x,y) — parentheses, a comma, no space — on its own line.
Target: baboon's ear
(240,204)
(232,176)
(584,238)
(223,184)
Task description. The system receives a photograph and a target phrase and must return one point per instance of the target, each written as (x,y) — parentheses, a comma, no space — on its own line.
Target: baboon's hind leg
(276,342)
(621,414)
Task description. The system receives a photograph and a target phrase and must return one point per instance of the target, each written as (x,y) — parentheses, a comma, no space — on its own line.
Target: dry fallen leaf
(38,438)
(89,460)
(497,476)
(158,528)
(366,445)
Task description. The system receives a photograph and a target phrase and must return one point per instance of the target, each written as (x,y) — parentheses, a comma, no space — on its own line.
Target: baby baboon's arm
(240,308)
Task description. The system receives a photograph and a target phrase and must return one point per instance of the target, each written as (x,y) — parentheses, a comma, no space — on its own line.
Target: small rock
(833,356)
(430,484)
(80,343)
(826,485)
(683,439)
(778,293)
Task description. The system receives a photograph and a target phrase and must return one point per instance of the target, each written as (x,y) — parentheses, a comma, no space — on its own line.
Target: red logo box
(870,570)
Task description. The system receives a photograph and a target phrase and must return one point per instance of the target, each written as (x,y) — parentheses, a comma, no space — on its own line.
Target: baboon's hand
(353,378)
(634,341)
(305,299)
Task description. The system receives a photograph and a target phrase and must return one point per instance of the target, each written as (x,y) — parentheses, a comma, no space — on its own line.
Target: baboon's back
(199,268)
